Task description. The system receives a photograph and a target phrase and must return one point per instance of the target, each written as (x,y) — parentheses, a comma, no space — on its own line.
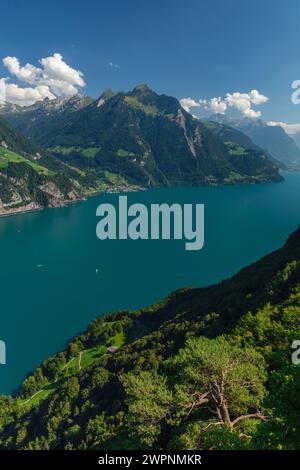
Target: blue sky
(194,48)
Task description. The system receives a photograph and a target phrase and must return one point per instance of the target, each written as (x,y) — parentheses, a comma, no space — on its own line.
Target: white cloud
(242,102)
(55,68)
(54,78)
(188,103)
(215,105)
(250,113)
(28,74)
(26,96)
(257,98)
(2,91)
(113,65)
(60,87)
(290,129)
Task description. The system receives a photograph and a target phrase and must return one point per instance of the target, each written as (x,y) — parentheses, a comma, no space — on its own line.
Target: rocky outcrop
(11,210)
(20,195)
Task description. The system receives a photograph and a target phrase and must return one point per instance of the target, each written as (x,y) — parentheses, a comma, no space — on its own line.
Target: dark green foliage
(282,431)
(239,332)
(213,381)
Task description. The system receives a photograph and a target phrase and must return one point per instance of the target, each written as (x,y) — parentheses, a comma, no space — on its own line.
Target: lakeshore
(91,277)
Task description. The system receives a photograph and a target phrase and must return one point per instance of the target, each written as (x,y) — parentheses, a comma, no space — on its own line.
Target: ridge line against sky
(55,78)
(217,54)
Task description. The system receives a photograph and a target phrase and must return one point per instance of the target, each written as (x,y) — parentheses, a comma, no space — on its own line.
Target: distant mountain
(227,133)
(271,138)
(145,138)
(34,120)
(296,138)
(30,178)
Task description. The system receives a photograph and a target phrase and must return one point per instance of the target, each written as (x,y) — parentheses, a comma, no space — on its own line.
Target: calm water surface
(50,287)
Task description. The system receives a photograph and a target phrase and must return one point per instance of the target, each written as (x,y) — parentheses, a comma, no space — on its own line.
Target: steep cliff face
(23,188)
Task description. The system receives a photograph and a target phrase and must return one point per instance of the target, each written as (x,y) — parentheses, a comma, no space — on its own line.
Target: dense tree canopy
(224,380)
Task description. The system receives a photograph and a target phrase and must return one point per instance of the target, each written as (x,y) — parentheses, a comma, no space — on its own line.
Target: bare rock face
(10,210)
(72,196)
(17,195)
(54,195)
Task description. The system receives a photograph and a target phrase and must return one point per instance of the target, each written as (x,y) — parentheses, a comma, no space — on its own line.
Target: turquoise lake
(41,308)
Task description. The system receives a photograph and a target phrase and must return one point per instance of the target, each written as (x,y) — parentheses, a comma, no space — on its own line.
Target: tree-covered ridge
(206,368)
(148,139)
(32,178)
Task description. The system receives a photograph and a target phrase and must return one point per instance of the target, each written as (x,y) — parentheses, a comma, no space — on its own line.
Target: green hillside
(32,178)
(278,145)
(205,368)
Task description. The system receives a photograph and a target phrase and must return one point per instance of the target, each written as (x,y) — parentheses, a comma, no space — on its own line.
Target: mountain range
(273,139)
(140,139)
(205,368)
(35,119)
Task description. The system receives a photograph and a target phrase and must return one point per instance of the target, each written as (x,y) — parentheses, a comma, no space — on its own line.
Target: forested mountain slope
(147,139)
(30,178)
(273,139)
(205,368)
